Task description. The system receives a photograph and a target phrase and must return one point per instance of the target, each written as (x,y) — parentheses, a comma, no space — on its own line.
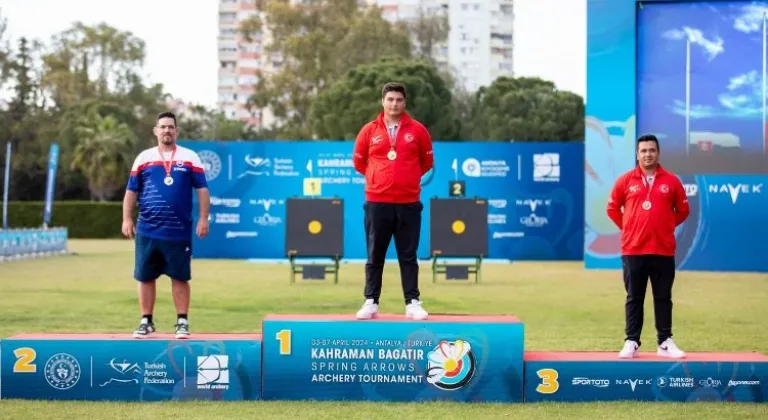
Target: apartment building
(480,42)
(239,61)
(478,50)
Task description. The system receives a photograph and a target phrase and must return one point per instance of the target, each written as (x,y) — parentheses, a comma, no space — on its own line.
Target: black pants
(637,270)
(382,222)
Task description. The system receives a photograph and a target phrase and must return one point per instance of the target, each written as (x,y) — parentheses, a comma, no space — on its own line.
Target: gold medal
(391,155)
(646,205)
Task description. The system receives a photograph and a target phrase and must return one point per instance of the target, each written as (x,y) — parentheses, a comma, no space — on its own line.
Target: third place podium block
(391,358)
(602,376)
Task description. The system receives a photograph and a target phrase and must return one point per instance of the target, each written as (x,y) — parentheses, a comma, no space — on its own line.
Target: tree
(201,123)
(527,109)
(340,111)
(4,50)
(104,154)
(90,61)
(23,119)
(313,44)
(428,31)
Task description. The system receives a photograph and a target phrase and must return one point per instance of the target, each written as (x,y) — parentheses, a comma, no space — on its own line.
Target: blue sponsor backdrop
(535,193)
(131,370)
(717,149)
(24,243)
(679,381)
(393,359)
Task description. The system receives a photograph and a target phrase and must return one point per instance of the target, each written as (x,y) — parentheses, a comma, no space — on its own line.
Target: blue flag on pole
(6,185)
(50,186)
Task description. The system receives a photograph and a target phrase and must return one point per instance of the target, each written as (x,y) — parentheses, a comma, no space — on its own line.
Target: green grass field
(563,306)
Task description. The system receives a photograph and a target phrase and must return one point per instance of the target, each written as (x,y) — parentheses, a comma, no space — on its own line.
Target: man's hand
(129,229)
(202,228)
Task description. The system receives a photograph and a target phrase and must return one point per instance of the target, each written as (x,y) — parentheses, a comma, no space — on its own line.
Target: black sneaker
(145,329)
(182,330)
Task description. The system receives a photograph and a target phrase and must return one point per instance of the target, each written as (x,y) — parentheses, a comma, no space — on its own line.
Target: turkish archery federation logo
(451,365)
(213,372)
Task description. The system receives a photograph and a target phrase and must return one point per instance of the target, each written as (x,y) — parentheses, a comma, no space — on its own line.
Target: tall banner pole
(50,186)
(6,183)
(687,96)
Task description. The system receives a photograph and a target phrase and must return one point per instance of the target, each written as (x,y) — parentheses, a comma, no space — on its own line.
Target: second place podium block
(391,358)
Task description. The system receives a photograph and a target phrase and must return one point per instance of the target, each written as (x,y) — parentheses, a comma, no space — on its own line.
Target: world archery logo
(213,372)
(451,365)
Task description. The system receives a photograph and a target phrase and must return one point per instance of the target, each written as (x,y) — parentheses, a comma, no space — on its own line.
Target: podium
(591,376)
(314,230)
(458,229)
(468,358)
(118,367)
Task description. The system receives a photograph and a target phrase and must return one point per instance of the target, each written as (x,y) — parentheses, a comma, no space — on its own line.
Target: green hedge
(84,219)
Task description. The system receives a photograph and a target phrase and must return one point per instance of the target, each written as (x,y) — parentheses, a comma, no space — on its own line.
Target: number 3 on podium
(25,360)
(284,338)
(549,384)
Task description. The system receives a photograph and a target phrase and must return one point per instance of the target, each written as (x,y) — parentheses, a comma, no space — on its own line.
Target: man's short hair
(393,87)
(647,137)
(167,114)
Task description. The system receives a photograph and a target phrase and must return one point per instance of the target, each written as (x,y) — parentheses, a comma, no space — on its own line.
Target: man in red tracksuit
(654,204)
(393,152)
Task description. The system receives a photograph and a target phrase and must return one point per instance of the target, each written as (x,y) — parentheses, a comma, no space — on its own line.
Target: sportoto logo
(450,365)
(211,163)
(62,371)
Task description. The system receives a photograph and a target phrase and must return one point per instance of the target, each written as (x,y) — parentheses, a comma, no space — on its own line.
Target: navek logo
(735,190)
(633,383)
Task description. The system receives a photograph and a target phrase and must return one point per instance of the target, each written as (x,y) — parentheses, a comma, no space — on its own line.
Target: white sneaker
(669,349)
(630,350)
(414,310)
(369,310)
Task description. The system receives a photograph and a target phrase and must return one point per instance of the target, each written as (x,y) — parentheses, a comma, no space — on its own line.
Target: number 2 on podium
(25,360)
(284,338)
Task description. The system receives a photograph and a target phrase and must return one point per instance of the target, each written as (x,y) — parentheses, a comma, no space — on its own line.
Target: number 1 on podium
(284,338)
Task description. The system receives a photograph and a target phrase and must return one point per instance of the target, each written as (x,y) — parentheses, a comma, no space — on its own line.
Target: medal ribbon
(649,185)
(393,136)
(167,165)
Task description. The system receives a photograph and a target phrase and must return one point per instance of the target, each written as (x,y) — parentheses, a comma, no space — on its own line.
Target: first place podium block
(118,367)
(602,376)
(391,358)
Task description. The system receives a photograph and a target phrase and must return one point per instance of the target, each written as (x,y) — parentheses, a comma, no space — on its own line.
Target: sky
(182,49)
(726,76)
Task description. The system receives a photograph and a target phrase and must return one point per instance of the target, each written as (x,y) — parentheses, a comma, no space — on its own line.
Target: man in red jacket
(393,152)
(654,204)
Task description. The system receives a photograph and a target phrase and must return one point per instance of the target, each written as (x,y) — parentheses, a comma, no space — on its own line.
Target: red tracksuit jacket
(399,180)
(648,231)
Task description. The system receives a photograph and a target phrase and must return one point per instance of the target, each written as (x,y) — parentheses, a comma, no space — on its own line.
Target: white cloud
(751,18)
(696,112)
(744,98)
(741,80)
(712,47)
(734,102)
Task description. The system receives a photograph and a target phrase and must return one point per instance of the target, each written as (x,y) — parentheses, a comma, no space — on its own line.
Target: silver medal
(168,181)
(391,155)
(646,205)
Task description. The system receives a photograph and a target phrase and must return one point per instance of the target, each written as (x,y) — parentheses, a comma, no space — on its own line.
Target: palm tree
(103,154)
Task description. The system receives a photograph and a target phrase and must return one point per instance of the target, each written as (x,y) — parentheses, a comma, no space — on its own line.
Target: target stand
(458,230)
(314,230)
